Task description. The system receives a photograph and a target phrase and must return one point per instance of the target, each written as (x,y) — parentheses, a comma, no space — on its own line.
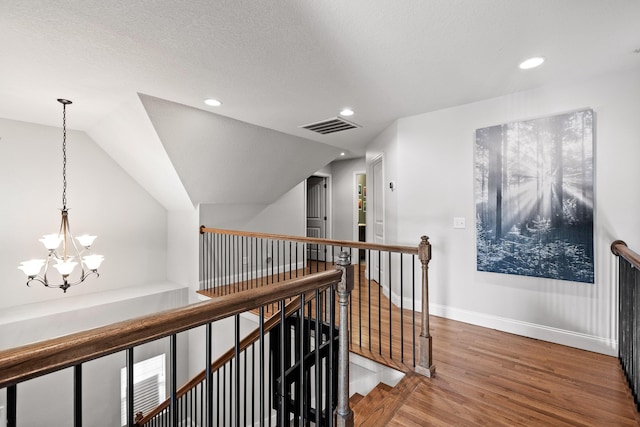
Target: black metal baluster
(225,255)
(303,338)
(318,373)
(390,312)
(237,371)
(244,382)
(203,421)
(282,394)
(250,261)
(173,375)
(359,299)
(332,325)
(245,262)
(12,406)
(278,261)
(303,272)
(379,302)
(218,396)
(253,384)
(401,310)
(237,280)
(271,381)
(208,378)
(369,290)
(218,263)
(224,394)
(262,399)
(130,364)
(324,256)
(77,395)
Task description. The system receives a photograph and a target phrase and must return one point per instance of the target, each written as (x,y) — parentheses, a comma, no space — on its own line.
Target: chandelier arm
(80,280)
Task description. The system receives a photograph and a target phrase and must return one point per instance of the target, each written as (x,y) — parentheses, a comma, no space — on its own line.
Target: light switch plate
(459,222)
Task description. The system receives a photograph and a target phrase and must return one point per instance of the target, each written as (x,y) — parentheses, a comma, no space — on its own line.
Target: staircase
(380,405)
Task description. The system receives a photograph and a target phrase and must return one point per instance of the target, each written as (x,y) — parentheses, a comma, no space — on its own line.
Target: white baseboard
(531,330)
(407,301)
(254,274)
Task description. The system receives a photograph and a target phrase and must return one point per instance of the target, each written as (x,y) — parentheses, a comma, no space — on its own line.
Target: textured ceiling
(281,64)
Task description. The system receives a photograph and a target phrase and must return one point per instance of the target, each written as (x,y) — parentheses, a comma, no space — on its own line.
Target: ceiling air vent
(333,125)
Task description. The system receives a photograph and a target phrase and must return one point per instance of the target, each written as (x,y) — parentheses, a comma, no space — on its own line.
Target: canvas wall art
(534,197)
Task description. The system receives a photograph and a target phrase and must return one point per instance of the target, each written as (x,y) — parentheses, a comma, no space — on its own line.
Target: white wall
(52,395)
(102,199)
(435,184)
(344,193)
(284,216)
(132,235)
(183,248)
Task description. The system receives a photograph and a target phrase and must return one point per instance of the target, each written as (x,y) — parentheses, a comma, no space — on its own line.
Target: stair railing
(629,314)
(38,359)
(196,384)
(388,309)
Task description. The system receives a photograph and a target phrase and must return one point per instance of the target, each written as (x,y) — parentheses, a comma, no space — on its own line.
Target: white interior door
(316,215)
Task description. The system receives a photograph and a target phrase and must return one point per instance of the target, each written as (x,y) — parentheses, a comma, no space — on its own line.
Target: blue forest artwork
(534,197)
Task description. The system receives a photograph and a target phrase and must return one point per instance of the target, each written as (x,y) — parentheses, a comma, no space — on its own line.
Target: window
(149,386)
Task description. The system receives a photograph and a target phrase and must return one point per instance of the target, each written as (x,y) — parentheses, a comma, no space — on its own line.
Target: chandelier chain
(64,156)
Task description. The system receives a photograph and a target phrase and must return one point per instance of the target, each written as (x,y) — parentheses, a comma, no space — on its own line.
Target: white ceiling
(281,64)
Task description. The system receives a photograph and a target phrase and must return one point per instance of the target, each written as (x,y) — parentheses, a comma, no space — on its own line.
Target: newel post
(425,363)
(343,414)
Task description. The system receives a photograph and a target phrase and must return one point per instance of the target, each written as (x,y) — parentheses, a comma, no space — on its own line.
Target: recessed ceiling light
(347,112)
(343,153)
(212,102)
(531,63)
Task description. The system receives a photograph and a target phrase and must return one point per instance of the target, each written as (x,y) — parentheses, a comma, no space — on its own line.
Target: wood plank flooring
(483,377)
(490,378)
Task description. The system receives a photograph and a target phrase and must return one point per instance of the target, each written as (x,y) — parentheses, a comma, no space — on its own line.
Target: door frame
(376,270)
(328,208)
(370,212)
(356,231)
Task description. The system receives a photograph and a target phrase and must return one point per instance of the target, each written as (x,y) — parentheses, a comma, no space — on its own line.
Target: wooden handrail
(313,240)
(620,248)
(33,360)
(291,307)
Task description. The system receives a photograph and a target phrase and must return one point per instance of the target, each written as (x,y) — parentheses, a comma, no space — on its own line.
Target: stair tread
(355,398)
(379,406)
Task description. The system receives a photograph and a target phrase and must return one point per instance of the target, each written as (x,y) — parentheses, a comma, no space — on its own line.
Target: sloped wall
(102,199)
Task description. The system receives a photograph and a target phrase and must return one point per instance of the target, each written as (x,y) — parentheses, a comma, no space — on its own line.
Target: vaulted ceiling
(138,72)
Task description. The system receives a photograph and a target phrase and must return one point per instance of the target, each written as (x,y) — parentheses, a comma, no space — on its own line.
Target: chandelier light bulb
(86,240)
(32,267)
(51,241)
(92,262)
(65,268)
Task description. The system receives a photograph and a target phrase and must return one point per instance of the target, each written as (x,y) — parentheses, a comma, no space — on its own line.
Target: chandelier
(65,260)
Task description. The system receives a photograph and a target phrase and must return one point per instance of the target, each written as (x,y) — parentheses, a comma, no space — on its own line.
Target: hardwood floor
(483,377)
(487,377)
